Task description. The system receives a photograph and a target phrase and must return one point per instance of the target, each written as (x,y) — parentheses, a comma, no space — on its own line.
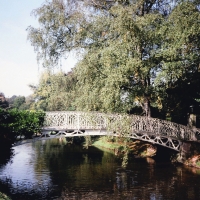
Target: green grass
(4,197)
(198,163)
(103,142)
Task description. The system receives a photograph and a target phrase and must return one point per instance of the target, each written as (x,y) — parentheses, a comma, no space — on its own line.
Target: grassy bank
(4,197)
(119,145)
(109,144)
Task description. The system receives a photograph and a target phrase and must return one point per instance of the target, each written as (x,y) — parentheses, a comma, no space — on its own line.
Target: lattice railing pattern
(67,120)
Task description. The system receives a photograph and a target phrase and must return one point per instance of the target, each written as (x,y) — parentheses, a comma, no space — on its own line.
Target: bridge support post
(192,121)
(45,133)
(184,153)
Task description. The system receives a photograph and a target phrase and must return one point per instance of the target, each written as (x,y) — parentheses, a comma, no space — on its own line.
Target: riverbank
(120,145)
(142,150)
(190,155)
(4,196)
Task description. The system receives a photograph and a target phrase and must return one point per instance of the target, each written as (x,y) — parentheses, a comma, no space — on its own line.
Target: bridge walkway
(156,131)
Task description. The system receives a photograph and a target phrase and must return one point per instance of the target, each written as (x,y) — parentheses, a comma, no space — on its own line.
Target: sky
(18,63)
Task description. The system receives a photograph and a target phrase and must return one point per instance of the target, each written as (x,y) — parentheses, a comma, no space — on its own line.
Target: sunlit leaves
(130,51)
(55,91)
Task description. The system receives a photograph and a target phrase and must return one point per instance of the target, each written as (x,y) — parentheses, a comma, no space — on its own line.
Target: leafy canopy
(130,51)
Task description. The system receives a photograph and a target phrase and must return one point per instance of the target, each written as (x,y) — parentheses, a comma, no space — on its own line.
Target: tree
(180,59)
(59,21)
(55,91)
(131,51)
(19,101)
(120,22)
(3,101)
(121,64)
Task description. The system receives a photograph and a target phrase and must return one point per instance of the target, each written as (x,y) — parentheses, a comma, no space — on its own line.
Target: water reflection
(53,169)
(5,155)
(20,175)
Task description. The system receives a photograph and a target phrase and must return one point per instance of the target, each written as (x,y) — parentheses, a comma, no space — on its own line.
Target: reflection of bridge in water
(156,131)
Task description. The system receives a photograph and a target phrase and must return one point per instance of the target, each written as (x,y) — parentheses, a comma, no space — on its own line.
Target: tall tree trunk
(146,97)
(147,108)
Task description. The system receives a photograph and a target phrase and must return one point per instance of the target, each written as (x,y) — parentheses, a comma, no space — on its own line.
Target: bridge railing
(162,128)
(75,120)
(125,124)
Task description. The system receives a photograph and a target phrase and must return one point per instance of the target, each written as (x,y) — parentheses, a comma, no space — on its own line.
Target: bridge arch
(156,131)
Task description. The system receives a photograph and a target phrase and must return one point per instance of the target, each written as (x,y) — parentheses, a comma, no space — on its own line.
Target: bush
(25,122)
(14,123)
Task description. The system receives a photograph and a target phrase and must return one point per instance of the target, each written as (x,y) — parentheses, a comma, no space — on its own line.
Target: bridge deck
(162,132)
(153,130)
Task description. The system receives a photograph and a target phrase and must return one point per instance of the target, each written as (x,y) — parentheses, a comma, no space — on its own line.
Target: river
(52,169)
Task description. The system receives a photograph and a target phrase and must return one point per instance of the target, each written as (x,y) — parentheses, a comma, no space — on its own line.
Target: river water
(52,169)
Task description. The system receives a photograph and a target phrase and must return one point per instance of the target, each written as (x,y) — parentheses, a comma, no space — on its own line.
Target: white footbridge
(156,131)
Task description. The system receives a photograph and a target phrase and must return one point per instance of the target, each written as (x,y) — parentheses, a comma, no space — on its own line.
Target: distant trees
(3,101)
(19,102)
(134,55)
(16,101)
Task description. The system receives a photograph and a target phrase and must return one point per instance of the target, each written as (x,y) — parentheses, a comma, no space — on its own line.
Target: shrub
(15,123)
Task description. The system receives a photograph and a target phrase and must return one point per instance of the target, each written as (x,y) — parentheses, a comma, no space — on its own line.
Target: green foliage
(88,141)
(180,47)
(15,123)
(120,62)
(120,124)
(198,163)
(4,196)
(18,102)
(125,157)
(109,143)
(26,122)
(179,54)
(120,147)
(55,92)
(58,21)
(131,54)
(3,101)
